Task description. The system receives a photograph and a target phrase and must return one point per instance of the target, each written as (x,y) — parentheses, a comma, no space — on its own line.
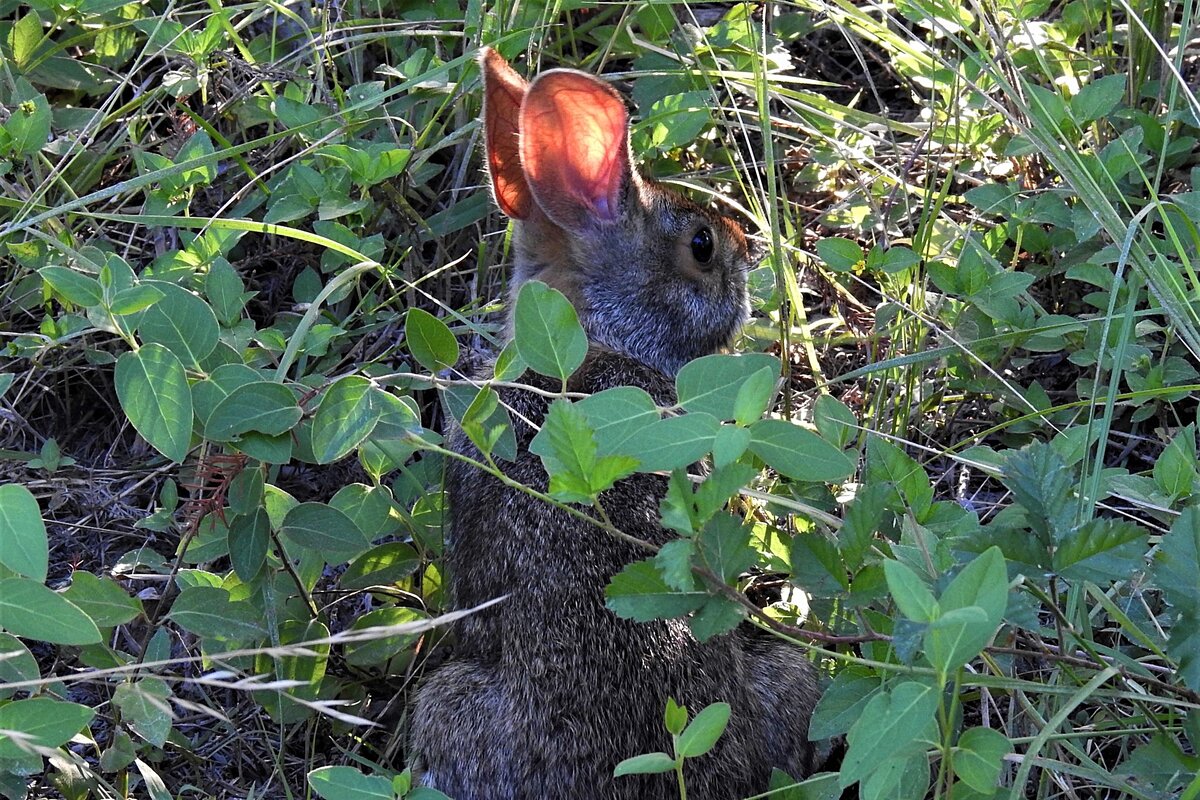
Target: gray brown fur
(549,690)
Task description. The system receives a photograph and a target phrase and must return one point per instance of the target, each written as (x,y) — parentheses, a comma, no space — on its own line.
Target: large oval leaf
(23,547)
(710,384)
(154,394)
(346,416)
(673,442)
(44,721)
(429,340)
(263,406)
(29,609)
(181,322)
(798,453)
(324,529)
(548,334)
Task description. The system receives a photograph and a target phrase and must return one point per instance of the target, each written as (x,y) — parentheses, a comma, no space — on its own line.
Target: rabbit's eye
(702,246)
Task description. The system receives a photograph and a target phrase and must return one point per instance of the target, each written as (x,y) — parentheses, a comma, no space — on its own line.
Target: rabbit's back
(551,687)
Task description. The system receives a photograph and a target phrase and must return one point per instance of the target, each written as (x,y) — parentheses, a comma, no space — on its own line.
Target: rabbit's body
(549,689)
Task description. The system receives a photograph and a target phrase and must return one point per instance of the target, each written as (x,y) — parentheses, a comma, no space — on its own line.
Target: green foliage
(235,271)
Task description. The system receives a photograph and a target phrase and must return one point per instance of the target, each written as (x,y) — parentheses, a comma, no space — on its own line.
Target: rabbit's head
(651,274)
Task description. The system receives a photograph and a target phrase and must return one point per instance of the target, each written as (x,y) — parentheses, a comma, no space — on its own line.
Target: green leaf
(645,764)
(1176,566)
(978,758)
(835,422)
(23,543)
(675,717)
(702,733)
(639,592)
(730,444)
(133,299)
(75,287)
(208,393)
(249,535)
(912,596)
(894,723)
(429,340)
(1100,550)
(1175,468)
(674,563)
(208,611)
(618,415)
(16,664)
(724,546)
(547,331)
(567,448)
(718,615)
(44,722)
(798,453)
(153,390)
(674,442)
(347,783)
(840,255)
(373,652)
(1098,98)
(325,530)
(264,406)
(23,39)
(145,707)
(509,365)
(710,384)
(754,396)
(956,637)
(102,599)
(388,563)
(225,291)
(29,609)
(29,123)
(983,583)
(842,704)
(347,415)
(181,322)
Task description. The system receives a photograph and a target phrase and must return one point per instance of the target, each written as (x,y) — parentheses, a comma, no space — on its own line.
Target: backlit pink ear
(575,147)
(503,92)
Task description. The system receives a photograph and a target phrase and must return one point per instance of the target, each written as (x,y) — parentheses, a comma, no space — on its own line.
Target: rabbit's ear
(503,92)
(575,148)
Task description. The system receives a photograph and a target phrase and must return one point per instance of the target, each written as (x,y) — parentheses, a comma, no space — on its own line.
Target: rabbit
(548,690)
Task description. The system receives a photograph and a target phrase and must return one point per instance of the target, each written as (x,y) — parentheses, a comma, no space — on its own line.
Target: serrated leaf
(724,547)
(23,544)
(29,609)
(75,287)
(346,416)
(429,340)
(674,562)
(912,596)
(1042,483)
(639,592)
(710,384)
(718,615)
(45,722)
(798,453)
(547,331)
(267,407)
(704,730)
(1175,570)
(645,764)
(1100,550)
(153,390)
